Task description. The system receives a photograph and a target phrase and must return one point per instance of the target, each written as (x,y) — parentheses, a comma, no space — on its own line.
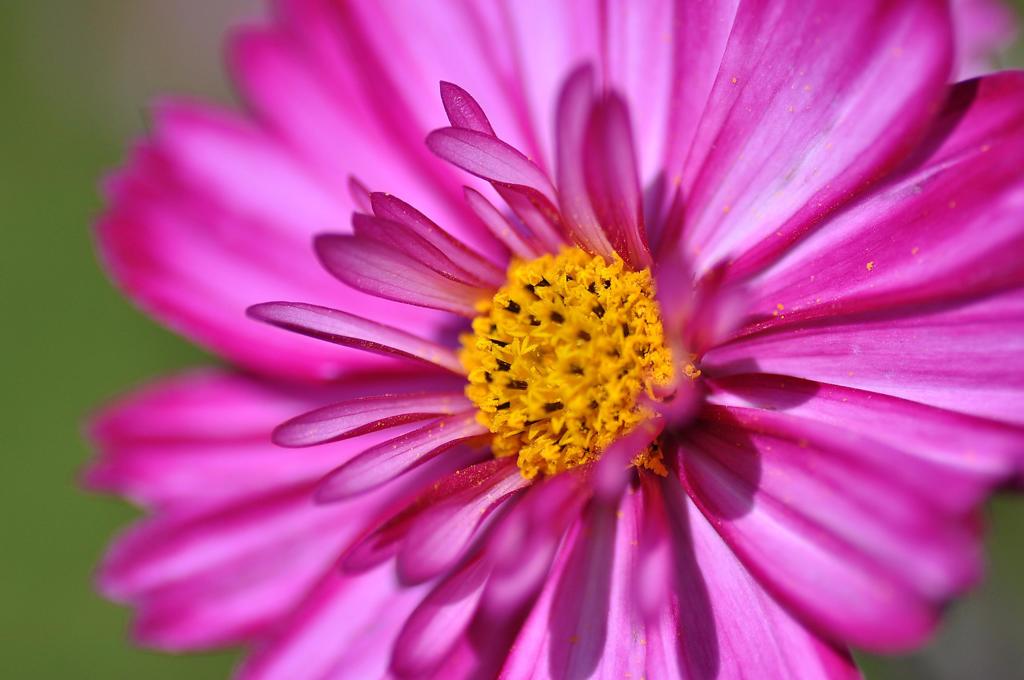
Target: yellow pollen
(559,357)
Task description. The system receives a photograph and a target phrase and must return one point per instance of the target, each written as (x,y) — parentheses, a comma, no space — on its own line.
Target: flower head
(666,391)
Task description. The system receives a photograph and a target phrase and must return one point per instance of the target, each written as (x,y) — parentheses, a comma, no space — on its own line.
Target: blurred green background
(75,76)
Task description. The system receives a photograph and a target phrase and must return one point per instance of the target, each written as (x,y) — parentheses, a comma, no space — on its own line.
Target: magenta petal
(574,105)
(614,468)
(859,553)
(196,239)
(440,534)
(488,157)
(962,357)
(464,111)
(729,623)
(392,458)
(338,327)
(203,438)
(925,447)
(366,414)
(783,141)
(378,269)
(947,228)
(404,241)
(388,207)
(346,626)
(612,179)
(499,225)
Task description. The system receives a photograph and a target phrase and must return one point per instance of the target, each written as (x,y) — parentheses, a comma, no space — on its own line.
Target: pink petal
(343,115)
(948,228)
(345,627)
(499,225)
(351,331)
(381,270)
(434,628)
(490,158)
(390,459)
(574,105)
(405,243)
(729,623)
(366,414)
(612,179)
(464,111)
(783,141)
(961,357)
(926,447)
(195,239)
(392,208)
(440,534)
(203,438)
(860,554)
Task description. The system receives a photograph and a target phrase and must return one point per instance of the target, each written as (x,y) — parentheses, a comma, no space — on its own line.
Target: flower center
(559,356)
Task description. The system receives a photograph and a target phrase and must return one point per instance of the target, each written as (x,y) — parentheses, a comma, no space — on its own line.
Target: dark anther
(503,365)
(607,283)
(593,403)
(488,377)
(499,343)
(599,310)
(494,328)
(557,317)
(615,353)
(576,370)
(503,407)
(592,288)
(517,384)
(534,321)
(553,406)
(543,283)
(583,335)
(625,329)
(530,289)
(513,307)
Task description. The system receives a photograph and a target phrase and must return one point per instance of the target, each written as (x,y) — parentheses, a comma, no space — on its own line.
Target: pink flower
(745,358)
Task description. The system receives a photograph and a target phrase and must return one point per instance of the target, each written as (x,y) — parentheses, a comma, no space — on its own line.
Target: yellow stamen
(559,357)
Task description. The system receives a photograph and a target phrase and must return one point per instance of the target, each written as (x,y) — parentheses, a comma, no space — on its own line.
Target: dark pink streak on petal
(387,460)
(612,178)
(464,111)
(345,329)
(366,414)
(378,269)
(573,113)
(499,225)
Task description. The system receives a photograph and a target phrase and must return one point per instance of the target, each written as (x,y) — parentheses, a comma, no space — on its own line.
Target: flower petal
(948,228)
(381,270)
(612,178)
(194,238)
(957,356)
(783,141)
(203,438)
(351,331)
(390,459)
(859,553)
(366,414)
